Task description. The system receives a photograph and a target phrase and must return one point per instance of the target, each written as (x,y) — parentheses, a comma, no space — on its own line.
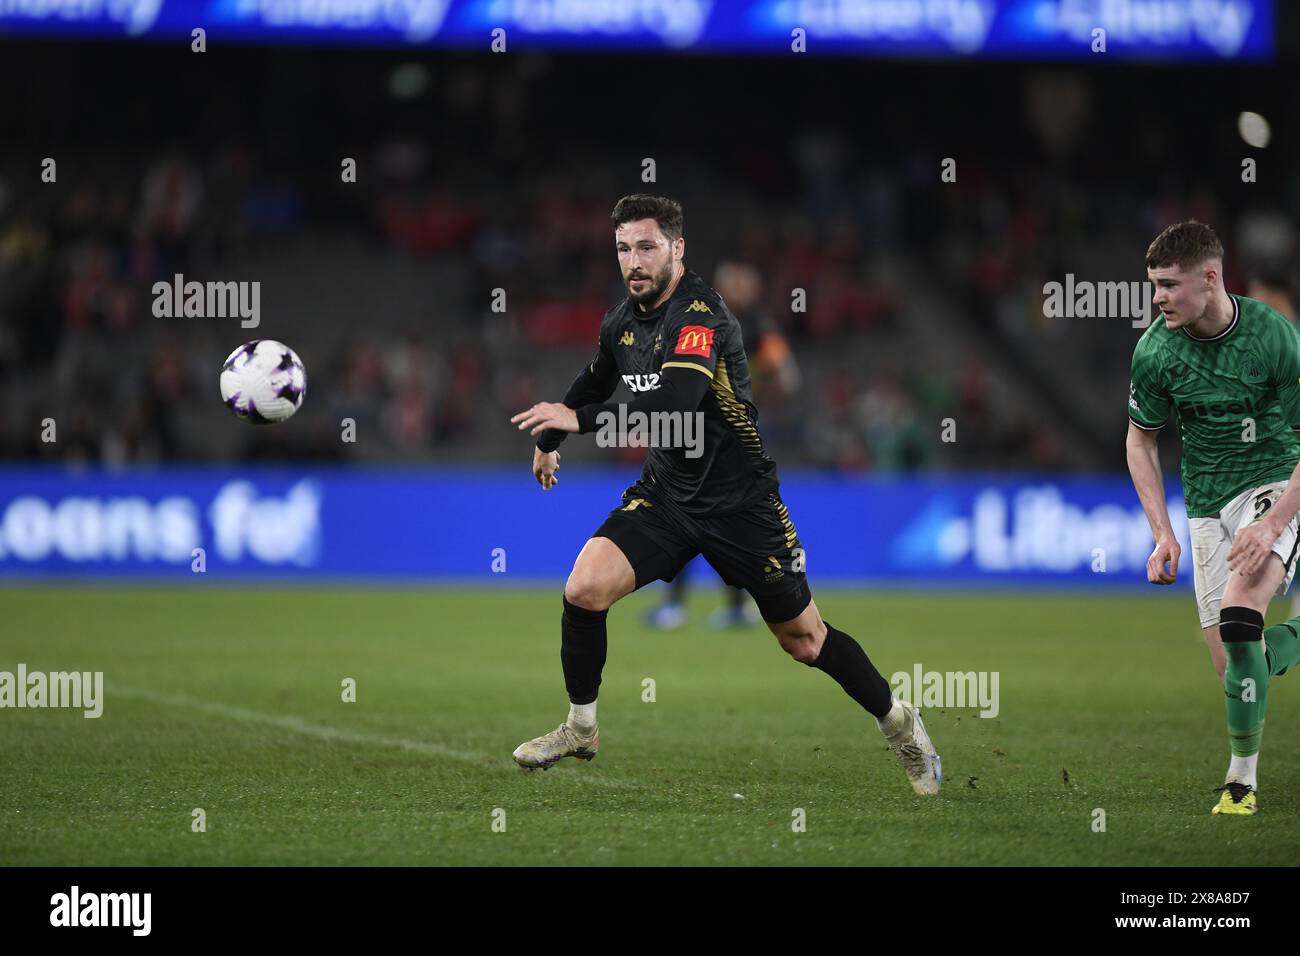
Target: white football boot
(540,752)
(911,744)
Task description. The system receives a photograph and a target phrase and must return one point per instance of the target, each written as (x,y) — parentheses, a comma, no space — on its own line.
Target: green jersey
(1237,396)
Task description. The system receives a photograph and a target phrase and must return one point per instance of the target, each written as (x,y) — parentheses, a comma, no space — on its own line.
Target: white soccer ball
(263,382)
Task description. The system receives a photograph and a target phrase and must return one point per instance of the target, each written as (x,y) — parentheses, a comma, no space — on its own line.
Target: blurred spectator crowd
(446,289)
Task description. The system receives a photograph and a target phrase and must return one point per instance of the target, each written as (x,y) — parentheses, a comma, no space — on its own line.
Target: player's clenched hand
(1251,546)
(545,465)
(1167,549)
(545,415)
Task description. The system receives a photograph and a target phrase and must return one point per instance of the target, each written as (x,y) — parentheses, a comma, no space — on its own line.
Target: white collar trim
(1236,314)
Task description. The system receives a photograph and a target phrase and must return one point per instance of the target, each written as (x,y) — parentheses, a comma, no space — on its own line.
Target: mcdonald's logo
(694,340)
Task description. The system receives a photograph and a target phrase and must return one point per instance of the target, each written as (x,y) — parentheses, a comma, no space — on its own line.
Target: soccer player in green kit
(1229,367)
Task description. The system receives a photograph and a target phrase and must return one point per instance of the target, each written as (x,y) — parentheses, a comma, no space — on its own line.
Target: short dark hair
(666,212)
(1184,244)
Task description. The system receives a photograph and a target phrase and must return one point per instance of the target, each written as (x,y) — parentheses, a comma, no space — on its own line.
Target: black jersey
(695,330)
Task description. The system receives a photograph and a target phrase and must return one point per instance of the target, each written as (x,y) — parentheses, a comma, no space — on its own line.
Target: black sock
(583,644)
(677,588)
(844,659)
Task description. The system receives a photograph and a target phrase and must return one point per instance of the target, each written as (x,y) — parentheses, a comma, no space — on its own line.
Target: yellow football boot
(1237,798)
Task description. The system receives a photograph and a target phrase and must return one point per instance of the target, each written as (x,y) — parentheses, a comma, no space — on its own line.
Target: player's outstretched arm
(1254,543)
(1144,467)
(680,390)
(595,383)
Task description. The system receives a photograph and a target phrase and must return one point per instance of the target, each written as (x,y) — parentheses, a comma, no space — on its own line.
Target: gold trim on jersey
(791,536)
(698,368)
(734,411)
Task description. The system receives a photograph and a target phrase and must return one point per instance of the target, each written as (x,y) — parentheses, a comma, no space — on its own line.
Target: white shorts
(1212,540)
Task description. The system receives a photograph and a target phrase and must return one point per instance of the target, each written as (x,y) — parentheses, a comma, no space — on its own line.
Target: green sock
(1245,683)
(1283,646)
(1249,661)
(1246,687)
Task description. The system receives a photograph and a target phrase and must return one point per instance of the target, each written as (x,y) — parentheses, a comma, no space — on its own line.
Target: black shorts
(756,549)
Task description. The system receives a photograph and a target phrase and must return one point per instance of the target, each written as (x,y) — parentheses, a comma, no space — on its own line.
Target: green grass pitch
(231,701)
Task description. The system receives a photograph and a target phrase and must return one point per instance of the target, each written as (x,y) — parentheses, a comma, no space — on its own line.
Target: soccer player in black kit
(676,345)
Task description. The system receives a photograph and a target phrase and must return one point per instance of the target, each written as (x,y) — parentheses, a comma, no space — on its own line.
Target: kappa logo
(698,306)
(627,339)
(694,340)
(659,342)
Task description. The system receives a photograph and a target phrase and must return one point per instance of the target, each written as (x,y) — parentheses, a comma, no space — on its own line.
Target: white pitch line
(334,734)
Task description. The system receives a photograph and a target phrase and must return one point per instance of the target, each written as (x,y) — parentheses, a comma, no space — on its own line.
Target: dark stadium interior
(478,172)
